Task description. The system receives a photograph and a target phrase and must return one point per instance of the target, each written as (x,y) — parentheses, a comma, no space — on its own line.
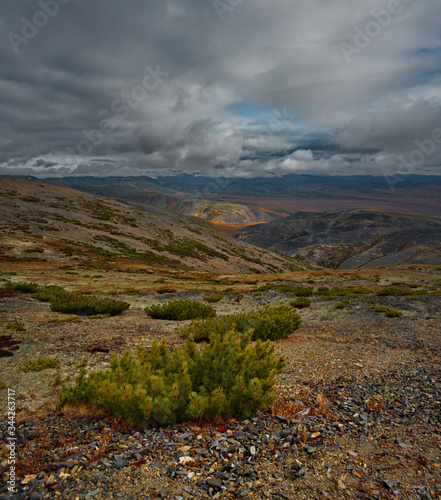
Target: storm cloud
(231,87)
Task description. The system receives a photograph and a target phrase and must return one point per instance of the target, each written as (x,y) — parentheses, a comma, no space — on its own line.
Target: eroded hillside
(351,239)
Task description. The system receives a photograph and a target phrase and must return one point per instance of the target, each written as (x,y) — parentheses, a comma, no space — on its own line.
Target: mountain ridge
(352,238)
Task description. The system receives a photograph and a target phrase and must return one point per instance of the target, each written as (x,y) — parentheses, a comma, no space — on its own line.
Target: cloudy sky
(226,87)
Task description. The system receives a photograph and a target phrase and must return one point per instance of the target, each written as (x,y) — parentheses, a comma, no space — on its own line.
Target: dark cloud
(252,89)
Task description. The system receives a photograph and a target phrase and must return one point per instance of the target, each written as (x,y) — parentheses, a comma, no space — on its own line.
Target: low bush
(202,330)
(268,323)
(86,305)
(20,286)
(39,364)
(301,302)
(273,322)
(380,309)
(213,297)
(179,310)
(48,293)
(16,325)
(393,313)
(229,377)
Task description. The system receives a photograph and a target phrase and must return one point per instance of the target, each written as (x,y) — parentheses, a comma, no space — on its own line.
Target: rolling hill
(143,192)
(352,238)
(46,222)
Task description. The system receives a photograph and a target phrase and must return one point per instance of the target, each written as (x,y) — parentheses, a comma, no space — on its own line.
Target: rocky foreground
(358,415)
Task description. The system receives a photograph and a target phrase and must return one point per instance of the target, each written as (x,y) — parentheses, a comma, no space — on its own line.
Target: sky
(238,88)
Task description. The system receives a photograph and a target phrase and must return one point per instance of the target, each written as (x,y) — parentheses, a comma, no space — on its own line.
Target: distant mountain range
(351,239)
(273,196)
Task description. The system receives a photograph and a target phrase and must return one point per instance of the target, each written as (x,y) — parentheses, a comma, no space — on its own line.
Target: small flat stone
(185,436)
(214,482)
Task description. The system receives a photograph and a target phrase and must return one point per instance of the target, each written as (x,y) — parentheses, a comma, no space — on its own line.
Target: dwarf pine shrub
(301,302)
(179,310)
(86,305)
(213,297)
(273,322)
(202,330)
(393,313)
(229,377)
(39,364)
(268,323)
(20,286)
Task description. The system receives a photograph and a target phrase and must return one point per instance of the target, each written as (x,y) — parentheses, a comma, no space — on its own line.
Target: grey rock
(389,484)
(92,494)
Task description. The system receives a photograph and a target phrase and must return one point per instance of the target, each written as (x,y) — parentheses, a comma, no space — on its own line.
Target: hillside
(352,238)
(46,222)
(144,192)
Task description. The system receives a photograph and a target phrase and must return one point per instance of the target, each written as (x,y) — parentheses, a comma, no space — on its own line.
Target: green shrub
(213,297)
(201,330)
(340,305)
(381,309)
(230,377)
(21,286)
(39,364)
(268,323)
(2,385)
(17,326)
(179,310)
(271,322)
(303,291)
(86,305)
(301,302)
(48,293)
(322,290)
(393,313)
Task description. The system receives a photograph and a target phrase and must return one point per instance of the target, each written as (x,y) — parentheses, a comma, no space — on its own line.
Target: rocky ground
(358,414)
